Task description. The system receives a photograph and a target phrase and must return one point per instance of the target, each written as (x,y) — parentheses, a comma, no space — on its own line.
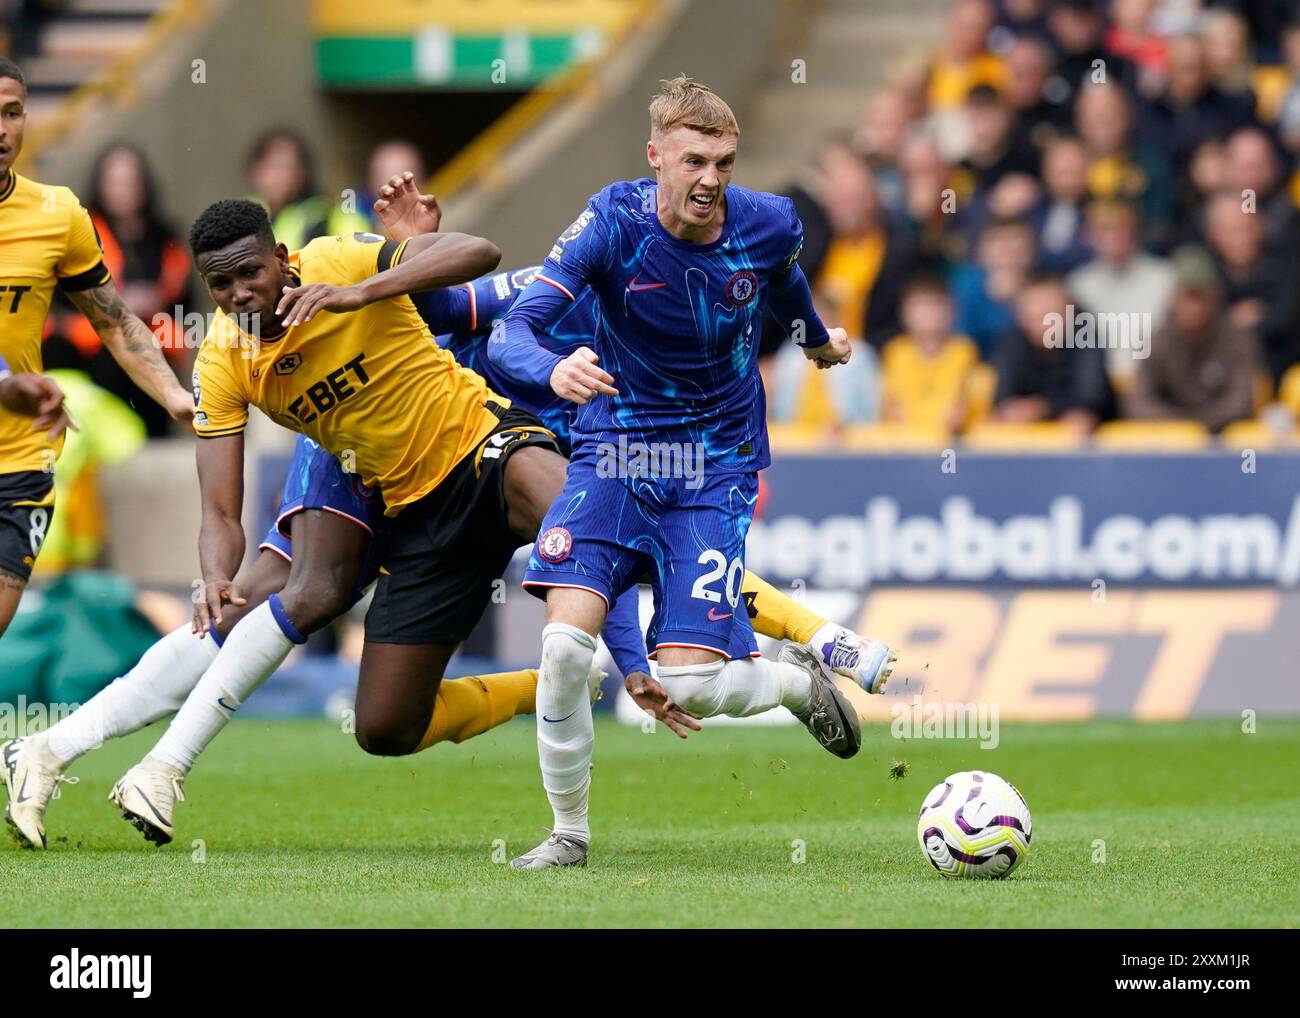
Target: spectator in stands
(1206,176)
(925,370)
(1042,374)
(964,60)
(1039,101)
(992,152)
(1130,36)
(1118,167)
(1202,367)
(1254,171)
(151,267)
(1077,28)
(1191,108)
(1259,283)
(861,280)
(1018,19)
(984,291)
(1123,279)
(1288,121)
(928,213)
(1062,243)
(880,139)
(1230,60)
(282,178)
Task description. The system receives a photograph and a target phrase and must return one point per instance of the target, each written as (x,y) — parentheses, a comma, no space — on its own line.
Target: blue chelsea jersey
(679,322)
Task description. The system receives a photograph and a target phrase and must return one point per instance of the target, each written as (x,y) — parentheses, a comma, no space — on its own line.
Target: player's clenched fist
(578,377)
(207,608)
(836,350)
(38,397)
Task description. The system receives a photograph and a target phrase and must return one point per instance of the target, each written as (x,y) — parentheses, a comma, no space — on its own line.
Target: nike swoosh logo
(22,792)
(635,287)
(556,721)
(713,615)
(226,705)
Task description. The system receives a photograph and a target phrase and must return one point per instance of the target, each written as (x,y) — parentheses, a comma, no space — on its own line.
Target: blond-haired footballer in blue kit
(49,241)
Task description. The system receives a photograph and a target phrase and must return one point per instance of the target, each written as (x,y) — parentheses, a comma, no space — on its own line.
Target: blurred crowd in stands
(1071,211)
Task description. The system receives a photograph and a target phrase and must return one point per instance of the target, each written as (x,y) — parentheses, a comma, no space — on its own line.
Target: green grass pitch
(1199,821)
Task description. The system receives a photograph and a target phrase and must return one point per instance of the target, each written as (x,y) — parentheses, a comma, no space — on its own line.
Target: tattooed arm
(133,346)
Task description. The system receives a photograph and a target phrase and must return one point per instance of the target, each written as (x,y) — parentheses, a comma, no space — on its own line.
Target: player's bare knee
(314,600)
(388,737)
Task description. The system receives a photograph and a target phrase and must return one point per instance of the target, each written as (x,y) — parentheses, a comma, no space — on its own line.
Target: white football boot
(33,775)
(557,850)
(829,716)
(147,795)
(867,662)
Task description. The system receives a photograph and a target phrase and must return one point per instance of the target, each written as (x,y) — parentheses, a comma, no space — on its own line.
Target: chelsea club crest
(741,288)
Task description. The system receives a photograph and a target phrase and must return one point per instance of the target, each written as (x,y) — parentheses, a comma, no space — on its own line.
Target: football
(974,824)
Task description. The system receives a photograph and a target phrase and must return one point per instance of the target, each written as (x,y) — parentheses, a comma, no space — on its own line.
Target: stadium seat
(1155,436)
(1255,435)
(1288,391)
(981,387)
(789,437)
(889,436)
(1002,436)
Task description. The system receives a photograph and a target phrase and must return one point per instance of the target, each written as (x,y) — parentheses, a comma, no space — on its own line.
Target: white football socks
(255,648)
(737,688)
(154,688)
(565,734)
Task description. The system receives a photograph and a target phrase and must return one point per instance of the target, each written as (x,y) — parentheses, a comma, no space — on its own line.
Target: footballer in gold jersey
(47,240)
(325,342)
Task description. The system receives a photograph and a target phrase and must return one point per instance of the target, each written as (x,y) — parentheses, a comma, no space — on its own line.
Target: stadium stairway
(79,40)
(847,48)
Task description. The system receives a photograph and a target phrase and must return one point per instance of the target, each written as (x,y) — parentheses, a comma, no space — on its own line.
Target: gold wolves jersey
(47,239)
(371,386)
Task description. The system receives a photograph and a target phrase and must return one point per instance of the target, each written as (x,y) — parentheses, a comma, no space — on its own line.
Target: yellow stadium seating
(789,437)
(1288,392)
(981,387)
(1157,436)
(888,436)
(1258,435)
(1002,436)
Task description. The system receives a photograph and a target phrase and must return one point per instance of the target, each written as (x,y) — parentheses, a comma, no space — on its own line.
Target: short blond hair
(683,102)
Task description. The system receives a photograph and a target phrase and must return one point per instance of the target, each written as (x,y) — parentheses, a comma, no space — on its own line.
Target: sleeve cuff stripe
(222,433)
(564,290)
(473,308)
(96,275)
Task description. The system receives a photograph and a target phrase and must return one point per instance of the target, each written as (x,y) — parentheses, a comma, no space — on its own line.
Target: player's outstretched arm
(623,637)
(221,536)
(429,260)
(514,348)
(791,304)
(37,397)
(134,347)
